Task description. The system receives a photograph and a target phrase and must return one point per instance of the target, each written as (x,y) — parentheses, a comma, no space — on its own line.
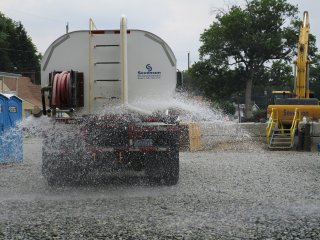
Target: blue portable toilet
(11,149)
(14,110)
(3,106)
(3,126)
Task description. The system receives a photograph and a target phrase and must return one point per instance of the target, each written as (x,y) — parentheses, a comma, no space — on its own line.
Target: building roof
(6,74)
(26,89)
(10,95)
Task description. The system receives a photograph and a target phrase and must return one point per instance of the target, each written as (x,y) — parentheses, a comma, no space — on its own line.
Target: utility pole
(188,60)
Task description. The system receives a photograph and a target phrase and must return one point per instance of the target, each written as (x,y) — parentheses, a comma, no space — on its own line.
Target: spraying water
(11,145)
(215,125)
(189,109)
(216,128)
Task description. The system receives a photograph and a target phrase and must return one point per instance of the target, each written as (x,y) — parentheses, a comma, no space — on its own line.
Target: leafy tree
(281,76)
(5,62)
(241,44)
(18,53)
(314,76)
(211,81)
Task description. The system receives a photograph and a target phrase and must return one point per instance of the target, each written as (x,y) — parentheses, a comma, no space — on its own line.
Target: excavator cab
(280,95)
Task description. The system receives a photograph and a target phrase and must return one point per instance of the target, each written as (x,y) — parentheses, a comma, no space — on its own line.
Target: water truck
(90,80)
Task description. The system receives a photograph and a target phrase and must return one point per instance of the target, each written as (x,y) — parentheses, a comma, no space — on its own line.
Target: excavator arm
(301,89)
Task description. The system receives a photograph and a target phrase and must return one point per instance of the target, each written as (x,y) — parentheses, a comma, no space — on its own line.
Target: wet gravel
(247,193)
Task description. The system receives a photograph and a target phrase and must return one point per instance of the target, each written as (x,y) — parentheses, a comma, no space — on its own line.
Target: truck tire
(59,168)
(51,170)
(163,168)
(56,170)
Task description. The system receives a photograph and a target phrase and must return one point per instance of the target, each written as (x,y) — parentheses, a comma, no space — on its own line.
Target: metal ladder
(104,67)
(279,137)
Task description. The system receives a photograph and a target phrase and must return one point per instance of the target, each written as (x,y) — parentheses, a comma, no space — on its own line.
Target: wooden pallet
(190,137)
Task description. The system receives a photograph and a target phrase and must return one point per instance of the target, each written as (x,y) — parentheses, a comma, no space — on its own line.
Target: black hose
(43,90)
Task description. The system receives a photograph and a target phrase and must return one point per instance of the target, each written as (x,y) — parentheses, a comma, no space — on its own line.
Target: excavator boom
(301,81)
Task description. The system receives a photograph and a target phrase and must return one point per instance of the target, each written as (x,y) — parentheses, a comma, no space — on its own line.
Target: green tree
(5,62)
(18,53)
(211,80)
(314,76)
(281,76)
(243,42)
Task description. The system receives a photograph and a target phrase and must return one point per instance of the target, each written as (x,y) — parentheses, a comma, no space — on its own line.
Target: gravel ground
(247,193)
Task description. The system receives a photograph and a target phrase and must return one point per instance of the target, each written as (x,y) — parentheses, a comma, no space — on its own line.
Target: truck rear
(90,82)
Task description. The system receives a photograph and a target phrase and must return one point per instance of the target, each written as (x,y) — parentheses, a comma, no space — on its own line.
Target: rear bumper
(91,150)
(108,159)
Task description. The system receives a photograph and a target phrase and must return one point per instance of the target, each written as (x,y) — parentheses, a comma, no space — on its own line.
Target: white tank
(100,55)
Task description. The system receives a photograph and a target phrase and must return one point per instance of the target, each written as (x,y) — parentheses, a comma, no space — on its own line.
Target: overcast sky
(178,22)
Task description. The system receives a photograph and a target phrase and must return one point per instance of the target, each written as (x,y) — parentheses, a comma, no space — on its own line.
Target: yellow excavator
(291,107)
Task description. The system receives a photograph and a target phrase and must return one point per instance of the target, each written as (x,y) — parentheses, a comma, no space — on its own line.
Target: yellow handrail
(280,125)
(92,26)
(273,121)
(295,122)
(270,125)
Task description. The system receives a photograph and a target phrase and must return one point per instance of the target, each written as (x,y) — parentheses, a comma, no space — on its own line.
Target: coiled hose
(61,90)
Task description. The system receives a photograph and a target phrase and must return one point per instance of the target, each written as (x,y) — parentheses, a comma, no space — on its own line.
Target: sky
(178,22)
